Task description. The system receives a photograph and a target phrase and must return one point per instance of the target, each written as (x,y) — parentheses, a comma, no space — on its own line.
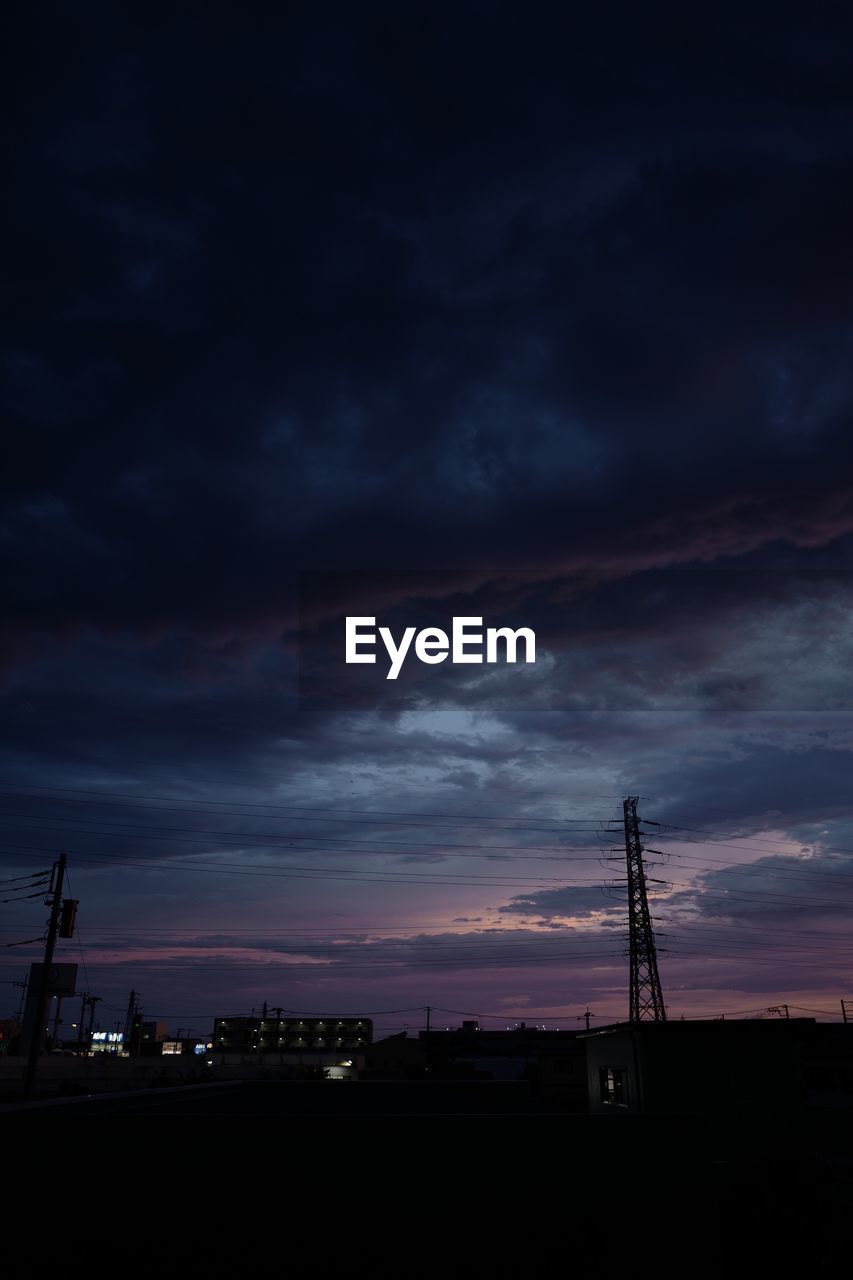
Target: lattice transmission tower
(645,995)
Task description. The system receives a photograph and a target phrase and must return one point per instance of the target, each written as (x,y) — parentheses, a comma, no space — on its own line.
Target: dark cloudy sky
(539,313)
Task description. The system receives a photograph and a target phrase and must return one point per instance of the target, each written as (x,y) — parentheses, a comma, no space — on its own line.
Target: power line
(485,932)
(512,852)
(439,849)
(792,863)
(724,838)
(271,836)
(327,816)
(402,950)
(385,878)
(752,868)
(33,875)
(754,944)
(699,955)
(782,898)
(386,965)
(362,814)
(311,873)
(309,947)
(195,947)
(23,898)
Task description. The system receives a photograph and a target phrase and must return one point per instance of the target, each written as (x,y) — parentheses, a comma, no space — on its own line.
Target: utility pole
(81,1029)
(131,1012)
(645,994)
(428,1013)
(44,986)
(23,985)
(586,1015)
(93,1000)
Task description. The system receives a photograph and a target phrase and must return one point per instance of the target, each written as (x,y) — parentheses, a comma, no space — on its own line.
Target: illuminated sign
(107,1041)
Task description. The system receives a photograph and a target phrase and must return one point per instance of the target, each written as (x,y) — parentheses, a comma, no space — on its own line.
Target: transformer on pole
(646,998)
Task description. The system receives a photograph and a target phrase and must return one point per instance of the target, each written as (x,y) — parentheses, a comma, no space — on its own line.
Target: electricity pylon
(645,995)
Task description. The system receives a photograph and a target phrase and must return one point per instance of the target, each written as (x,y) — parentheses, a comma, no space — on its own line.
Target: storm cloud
(429,311)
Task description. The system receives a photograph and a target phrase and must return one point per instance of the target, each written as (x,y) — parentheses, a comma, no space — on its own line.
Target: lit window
(613,1086)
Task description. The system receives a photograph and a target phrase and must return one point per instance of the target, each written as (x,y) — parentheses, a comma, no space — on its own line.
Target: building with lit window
(258,1035)
(743,1072)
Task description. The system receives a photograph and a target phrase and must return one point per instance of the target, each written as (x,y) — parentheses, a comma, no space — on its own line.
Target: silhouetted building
(828,1068)
(750,1072)
(396,1058)
(151,1031)
(280,1035)
(554,1062)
